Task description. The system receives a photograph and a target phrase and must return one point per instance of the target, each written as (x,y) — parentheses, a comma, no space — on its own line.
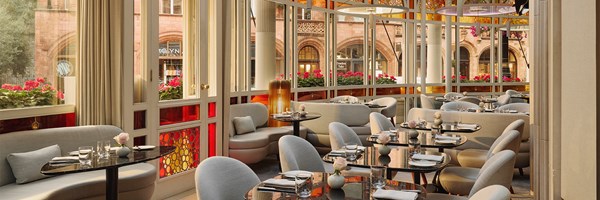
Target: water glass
(351,151)
(378,176)
(304,184)
(103,148)
(393,134)
(85,155)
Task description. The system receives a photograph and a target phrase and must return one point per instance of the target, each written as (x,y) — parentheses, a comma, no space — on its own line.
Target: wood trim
(35,111)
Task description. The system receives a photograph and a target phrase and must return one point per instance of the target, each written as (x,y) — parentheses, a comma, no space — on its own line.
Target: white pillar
(434,57)
(265,44)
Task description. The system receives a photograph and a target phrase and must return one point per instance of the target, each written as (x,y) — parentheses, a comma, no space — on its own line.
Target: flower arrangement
(383,138)
(482,78)
(339,164)
(122,139)
(508,79)
(412,124)
(462,78)
(314,79)
(172,90)
(350,78)
(385,79)
(33,93)
(437,118)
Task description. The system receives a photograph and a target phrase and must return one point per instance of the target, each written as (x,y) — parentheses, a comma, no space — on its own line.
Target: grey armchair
(509,140)
(390,107)
(379,123)
(458,105)
(224,178)
(341,135)
(298,154)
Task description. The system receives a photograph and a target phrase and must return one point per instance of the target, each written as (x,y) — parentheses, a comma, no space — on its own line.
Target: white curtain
(99,60)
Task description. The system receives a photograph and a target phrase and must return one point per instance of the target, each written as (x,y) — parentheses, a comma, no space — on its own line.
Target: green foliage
(32,93)
(17,35)
(314,79)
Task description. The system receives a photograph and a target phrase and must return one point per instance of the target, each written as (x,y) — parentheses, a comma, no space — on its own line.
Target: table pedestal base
(112,183)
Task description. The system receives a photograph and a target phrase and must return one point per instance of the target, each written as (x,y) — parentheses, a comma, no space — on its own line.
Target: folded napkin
(65,159)
(282,183)
(395,194)
(294,173)
(428,157)
(281,115)
(440,98)
(444,137)
(466,126)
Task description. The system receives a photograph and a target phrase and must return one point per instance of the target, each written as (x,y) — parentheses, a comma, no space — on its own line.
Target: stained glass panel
(186,155)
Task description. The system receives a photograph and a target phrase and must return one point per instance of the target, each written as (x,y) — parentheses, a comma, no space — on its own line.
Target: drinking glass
(85,155)
(378,176)
(304,184)
(351,151)
(393,133)
(100,149)
(107,144)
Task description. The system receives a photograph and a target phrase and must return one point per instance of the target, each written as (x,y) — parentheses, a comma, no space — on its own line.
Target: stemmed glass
(351,151)
(378,176)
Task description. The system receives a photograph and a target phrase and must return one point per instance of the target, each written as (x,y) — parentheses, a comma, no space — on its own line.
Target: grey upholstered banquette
(135,181)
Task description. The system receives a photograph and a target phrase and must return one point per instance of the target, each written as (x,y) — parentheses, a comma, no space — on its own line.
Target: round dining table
(446,127)
(355,187)
(396,161)
(426,139)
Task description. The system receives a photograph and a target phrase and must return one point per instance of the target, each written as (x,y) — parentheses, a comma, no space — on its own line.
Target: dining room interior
(299,99)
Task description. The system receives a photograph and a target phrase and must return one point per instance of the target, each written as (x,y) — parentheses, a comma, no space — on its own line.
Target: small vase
(123,151)
(384,150)
(335,181)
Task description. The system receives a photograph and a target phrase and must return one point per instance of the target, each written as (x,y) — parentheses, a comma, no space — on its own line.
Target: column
(434,57)
(265,43)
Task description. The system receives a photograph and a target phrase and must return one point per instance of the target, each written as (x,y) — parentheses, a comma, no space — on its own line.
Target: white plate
(422,163)
(293,173)
(74,153)
(144,147)
(445,141)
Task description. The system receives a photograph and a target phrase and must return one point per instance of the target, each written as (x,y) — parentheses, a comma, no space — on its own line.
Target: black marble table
(426,140)
(296,121)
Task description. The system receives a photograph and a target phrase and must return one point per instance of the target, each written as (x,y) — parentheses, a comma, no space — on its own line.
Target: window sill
(17,113)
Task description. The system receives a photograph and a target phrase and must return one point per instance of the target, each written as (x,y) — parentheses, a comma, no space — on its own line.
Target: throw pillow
(26,166)
(243,125)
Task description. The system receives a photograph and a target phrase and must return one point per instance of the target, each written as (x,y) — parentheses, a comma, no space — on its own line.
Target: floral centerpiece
(172,90)
(336,180)
(122,139)
(384,139)
(385,79)
(314,79)
(33,93)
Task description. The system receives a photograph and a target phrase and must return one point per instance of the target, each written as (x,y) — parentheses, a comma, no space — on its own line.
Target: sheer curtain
(99,57)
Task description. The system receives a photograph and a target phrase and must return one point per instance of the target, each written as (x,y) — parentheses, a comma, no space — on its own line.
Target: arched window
(512,65)
(484,62)
(351,59)
(464,61)
(308,59)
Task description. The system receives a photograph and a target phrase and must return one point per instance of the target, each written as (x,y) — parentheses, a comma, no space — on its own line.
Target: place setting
(351,152)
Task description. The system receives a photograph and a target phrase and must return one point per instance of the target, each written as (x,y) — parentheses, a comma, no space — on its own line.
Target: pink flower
(40,80)
(17,88)
(60,95)
(122,138)
(392,77)
(517,79)
(506,79)
(7,86)
(30,85)
(319,75)
(383,138)
(339,164)
(47,87)
(306,74)
(317,71)
(175,82)
(412,124)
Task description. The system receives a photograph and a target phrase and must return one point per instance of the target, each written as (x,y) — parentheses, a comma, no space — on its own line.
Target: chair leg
(424,178)
(512,191)
(392,120)
(521,171)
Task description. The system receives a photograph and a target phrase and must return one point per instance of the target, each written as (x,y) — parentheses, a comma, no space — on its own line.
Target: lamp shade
(279,99)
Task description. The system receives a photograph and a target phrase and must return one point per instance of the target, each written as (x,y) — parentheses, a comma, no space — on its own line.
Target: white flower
(302,107)
(122,138)
(339,164)
(383,138)
(437,115)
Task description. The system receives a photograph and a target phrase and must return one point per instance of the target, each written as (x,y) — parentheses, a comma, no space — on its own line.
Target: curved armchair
(509,140)
(519,107)
(494,192)
(498,170)
(453,95)
(512,92)
(458,105)
(473,100)
(426,102)
(390,107)
(502,100)
(297,154)
(341,135)
(345,97)
(379,123)
(224,178)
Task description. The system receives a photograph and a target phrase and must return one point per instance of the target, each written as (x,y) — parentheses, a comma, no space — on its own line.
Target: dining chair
(390,107)
(453,95)
(464,181)
(426,102)
(510,139)
(458,105)
(473,100)
(519,107)
(296,153)
(379,122)
(345,97)
(512,92)
(224,178)
(493,192)
(341,135)
(502,100)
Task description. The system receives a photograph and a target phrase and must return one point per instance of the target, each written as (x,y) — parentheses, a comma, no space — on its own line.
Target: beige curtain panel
(99,74)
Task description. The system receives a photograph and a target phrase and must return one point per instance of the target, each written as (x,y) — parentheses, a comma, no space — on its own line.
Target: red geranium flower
(7,86)
(40,79)
(60,95)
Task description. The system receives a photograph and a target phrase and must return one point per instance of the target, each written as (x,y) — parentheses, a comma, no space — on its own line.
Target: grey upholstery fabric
(502,100)
(26,165)
(512,92)
(473,100)
(344,97)
(255,146)
(509,140)
(458,105)
(136,181)
(426,102)
(341,135)
(379,123)
(223,178)
(494,192)
(243,125)
(519,107)
(390,106)
(298,154)
(498,170)
(453,95)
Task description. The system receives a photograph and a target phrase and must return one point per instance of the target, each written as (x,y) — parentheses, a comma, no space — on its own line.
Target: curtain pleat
(97,70)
